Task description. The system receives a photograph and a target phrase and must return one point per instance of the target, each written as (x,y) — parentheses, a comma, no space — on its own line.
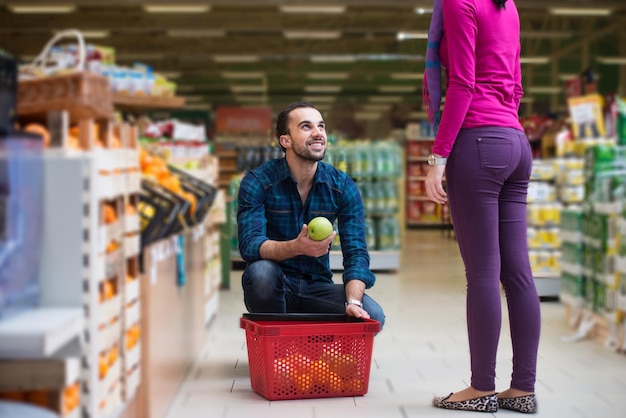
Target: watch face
(431,159)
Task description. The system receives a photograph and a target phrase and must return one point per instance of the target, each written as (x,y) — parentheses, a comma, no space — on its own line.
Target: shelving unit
(90,250)
(544,235)
(420,210)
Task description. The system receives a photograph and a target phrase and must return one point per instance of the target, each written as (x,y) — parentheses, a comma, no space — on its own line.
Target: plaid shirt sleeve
(351,225)
(251,224)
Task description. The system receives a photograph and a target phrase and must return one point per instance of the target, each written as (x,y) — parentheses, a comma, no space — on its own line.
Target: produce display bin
(298,356)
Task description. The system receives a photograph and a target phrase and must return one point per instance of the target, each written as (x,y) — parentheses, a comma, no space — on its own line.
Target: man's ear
(284,140)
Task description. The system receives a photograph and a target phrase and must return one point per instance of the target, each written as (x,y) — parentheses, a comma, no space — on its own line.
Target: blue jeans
(487,175)
(266,289)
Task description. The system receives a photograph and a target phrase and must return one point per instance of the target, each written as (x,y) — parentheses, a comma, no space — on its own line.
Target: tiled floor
(421,352)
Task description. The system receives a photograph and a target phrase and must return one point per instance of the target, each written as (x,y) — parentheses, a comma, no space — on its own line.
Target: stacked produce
(171,199)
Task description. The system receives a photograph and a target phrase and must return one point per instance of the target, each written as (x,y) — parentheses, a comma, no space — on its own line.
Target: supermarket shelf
(548,284)
(379,260)
(52,373)
(40,332)
(121,100)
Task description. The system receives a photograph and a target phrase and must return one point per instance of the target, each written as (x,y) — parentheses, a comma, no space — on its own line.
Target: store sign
(240,120)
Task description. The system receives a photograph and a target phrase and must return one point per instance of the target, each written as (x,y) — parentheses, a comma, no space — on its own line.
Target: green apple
(319,228)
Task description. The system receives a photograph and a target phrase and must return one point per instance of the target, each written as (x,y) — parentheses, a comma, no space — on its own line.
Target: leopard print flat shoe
(487,403)
(526,404)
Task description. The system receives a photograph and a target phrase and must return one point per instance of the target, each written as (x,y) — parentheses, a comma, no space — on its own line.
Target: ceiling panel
(362,46)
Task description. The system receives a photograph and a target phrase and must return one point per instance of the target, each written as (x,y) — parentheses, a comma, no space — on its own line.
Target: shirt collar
(321,176)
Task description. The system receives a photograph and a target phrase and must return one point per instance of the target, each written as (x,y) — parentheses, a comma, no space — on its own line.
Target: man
(287,271)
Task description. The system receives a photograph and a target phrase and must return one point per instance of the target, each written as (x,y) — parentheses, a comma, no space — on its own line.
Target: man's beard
(306,155)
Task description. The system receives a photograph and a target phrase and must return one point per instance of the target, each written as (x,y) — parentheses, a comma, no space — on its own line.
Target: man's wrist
(355,302)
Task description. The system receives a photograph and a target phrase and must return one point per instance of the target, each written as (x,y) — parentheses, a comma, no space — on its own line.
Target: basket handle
(41,60)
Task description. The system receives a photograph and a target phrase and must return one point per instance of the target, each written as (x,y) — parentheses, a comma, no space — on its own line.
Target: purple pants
(487,176)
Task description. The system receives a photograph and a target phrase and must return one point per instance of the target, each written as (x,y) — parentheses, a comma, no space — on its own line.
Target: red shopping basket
(298,356)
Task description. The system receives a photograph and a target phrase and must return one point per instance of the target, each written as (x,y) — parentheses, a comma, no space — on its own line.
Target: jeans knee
(263,276)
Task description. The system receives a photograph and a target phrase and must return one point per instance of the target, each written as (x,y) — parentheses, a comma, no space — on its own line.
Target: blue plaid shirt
(270,208)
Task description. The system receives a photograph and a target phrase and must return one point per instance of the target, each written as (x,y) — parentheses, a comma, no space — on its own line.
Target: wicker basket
(46,85)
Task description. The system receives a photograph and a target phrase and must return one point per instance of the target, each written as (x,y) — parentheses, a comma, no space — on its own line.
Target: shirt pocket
(281,224)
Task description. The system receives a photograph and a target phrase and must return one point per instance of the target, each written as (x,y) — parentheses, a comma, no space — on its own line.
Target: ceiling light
(397,89)
(196,33)
(407,76)
(403,36)
(327,76)
(385,99)
(580,11)
(612,60)
(235,58)
(308,34)
(423,11)
(175,8)
(544,90)
(248,89)
(322,89)
(91,34)
(534,60)
(42,9)
(242,75)
(319,99)
(333,58)
(313,9)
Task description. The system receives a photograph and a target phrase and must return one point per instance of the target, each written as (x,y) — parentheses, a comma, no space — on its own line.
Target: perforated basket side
(313,366)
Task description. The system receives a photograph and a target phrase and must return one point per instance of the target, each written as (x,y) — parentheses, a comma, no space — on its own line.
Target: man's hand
(355,289)
(311,247)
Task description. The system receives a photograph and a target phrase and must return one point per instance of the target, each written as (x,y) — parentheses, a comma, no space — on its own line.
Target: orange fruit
(355,385)
(103,365)
(335,384)
(130,209)
(299,362)
(39,129)
(113,354)
(320,371)
(108,289)
(303,383)
(109,213)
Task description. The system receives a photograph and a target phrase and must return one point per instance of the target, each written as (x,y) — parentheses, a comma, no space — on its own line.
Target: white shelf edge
(40,332)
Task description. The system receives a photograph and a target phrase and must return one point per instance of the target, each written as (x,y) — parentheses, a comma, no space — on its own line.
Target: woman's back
(480,50)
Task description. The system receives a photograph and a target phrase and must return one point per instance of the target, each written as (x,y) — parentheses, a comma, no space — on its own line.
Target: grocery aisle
(421,352)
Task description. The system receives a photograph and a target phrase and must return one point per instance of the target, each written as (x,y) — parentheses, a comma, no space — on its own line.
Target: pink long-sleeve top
(480,50)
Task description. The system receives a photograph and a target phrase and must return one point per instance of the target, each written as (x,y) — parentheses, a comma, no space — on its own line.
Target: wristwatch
(355,302)
(434,160)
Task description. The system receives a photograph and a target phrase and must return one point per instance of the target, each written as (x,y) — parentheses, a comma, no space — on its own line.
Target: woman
(481,147)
